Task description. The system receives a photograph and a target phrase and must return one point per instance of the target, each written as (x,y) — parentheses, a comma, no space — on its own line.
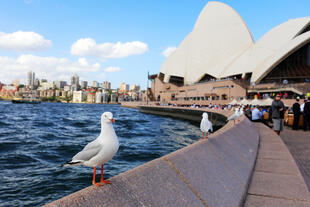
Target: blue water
(36,139)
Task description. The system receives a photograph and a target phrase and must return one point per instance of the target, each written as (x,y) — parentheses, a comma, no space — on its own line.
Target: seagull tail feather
(71,163)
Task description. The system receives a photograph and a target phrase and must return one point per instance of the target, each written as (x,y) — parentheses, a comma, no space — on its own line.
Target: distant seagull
(235,116)
(205,125)
(99,151)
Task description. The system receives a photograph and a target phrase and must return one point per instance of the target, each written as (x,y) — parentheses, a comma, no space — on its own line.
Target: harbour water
(36,139)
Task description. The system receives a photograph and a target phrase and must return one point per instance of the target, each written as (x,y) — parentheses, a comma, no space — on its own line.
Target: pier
(242,164)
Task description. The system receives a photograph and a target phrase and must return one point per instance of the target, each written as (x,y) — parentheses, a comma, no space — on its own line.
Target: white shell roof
(209,43)
(221,45)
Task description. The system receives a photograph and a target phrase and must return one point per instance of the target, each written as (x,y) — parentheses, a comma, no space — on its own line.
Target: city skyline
(103,41)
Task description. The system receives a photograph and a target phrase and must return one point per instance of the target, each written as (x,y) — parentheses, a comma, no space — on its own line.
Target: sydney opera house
(219,61)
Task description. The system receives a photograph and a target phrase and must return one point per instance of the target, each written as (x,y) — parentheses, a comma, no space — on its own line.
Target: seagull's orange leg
(94,178)
(103,181)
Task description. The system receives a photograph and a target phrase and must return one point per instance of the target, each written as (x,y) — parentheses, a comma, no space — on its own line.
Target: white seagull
(205,125)
(99,151)
(235,116)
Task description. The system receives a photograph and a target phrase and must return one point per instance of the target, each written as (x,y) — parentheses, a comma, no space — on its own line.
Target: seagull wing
(89,151)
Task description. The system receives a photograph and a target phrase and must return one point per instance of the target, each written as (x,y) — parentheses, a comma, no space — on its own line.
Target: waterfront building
(106,85)
(124,87)
(78,96)
(105,97)
(50,93)
(46,86)
(64,94)
(232,65)
(57,93)
(114,98)
(67,88)
(15,82)
(84,84)
(98,97)
(30,79)
(91,97)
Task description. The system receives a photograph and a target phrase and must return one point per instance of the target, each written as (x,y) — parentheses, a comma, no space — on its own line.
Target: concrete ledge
(213,172)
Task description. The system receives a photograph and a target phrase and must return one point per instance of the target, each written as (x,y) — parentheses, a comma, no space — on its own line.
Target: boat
(30,100)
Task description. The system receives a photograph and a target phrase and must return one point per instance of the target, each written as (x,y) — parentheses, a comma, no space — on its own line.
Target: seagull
(205,125)
(235,116)
(99,151)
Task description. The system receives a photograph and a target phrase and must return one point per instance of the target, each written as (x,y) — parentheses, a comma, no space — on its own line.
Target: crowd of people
(275,112)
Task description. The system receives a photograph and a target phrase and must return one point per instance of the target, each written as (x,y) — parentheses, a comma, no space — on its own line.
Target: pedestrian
(296,111)
(256,115)
(277,108)
(307,114)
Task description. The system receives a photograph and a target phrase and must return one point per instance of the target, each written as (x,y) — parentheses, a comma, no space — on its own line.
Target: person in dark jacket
(278,109)
(296,111)
(307,114)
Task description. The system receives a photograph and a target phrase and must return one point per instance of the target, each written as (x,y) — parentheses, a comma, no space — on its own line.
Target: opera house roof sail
(221,45)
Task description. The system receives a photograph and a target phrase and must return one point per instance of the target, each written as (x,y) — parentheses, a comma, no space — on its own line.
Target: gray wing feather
(88,152)
(86,155)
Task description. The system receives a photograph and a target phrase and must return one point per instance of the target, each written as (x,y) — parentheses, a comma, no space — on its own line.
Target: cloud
(167,52)
(112,69)
(50,68)
(89,47)
(23,41)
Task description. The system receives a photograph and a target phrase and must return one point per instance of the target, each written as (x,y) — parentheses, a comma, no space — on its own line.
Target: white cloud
(112,69)
(23,41)
(50,68)
(89,47)
(167,52)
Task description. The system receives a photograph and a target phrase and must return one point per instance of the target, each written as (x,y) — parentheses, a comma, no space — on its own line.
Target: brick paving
(298,143)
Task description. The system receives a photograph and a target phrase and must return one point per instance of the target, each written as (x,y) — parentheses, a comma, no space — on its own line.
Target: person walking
(256,115)
(296,111)
(307,115)
(277,108)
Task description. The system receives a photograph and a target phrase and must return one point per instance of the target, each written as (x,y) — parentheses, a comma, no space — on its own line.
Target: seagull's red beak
(112,120)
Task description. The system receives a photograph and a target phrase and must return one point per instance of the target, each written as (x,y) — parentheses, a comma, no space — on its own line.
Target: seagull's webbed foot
(97,184)
(106,182)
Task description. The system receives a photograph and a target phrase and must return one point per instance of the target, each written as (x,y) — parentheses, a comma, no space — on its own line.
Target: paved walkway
(276,180)
(298,143)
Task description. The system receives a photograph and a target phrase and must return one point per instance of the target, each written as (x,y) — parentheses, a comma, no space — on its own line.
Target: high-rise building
(124,87)
(75,82)
(60,84)
(95,84)
(75,79)
(30,78)
(15,82)
(106,85)
(84,84)
(36,83)
(135,87)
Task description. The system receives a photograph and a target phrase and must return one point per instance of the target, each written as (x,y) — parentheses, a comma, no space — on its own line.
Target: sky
(118,41)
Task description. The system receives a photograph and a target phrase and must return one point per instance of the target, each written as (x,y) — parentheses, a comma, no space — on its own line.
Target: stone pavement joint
(183,178)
